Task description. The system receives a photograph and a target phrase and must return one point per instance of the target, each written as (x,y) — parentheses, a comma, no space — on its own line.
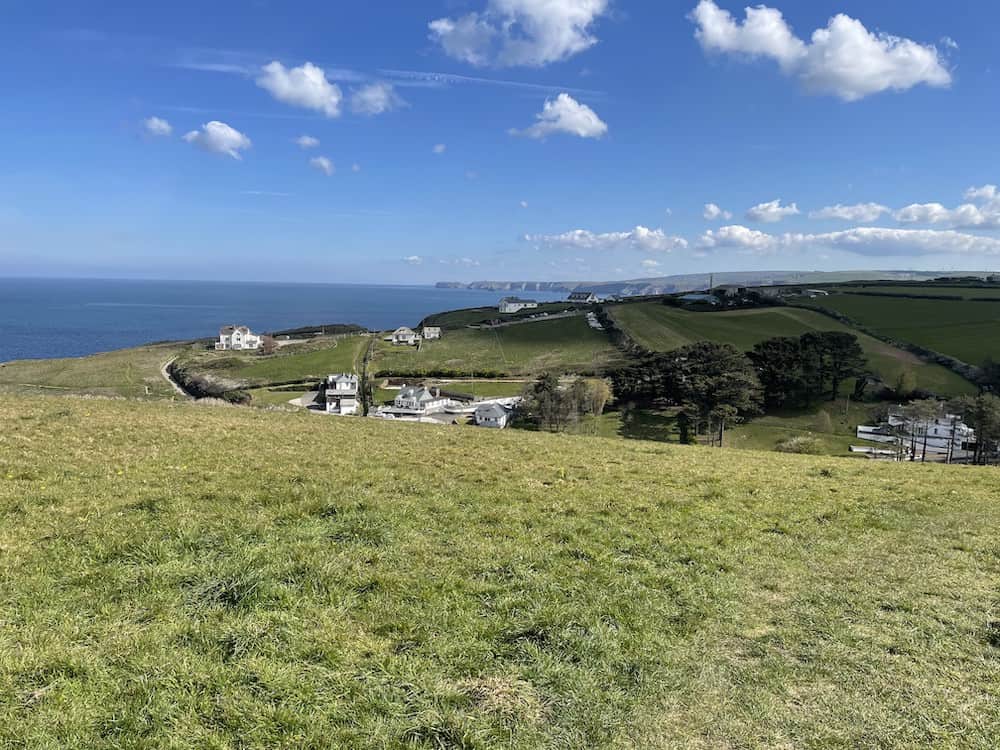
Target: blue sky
(496,139)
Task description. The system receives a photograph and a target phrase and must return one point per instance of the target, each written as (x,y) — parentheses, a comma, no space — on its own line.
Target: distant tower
(711,281)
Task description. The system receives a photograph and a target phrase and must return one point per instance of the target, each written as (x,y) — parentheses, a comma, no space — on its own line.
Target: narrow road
(165,372)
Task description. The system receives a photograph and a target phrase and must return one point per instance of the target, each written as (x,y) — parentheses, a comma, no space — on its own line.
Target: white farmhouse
(342,394)
(420,400)
(430,332)
(515,304)
(237,338)
(404,336)
(584,298)
(493,415)
(945,435)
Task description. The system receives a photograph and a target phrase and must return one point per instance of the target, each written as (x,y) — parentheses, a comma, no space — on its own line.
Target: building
(729,290)
(404,336)
(515,304)
(420,400)
(430,332)
(583,298)
(492,415)
(945,435)
(342,394)
(237,338)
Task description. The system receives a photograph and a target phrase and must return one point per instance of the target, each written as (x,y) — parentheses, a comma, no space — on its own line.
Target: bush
(804,444)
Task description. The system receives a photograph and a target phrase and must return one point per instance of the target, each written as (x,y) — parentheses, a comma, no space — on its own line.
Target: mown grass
(312,360)
(964,329)
(127,372)
(181,576)
(561,345)
(663,328)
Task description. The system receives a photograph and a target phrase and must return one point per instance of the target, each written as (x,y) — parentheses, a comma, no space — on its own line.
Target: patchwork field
(662,328)
(454,319)
(135,373)
(562,345)
(368,585)
(964,329)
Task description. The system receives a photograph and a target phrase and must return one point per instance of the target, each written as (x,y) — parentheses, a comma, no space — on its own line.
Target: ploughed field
(175,575)
(662,328)
(966,329)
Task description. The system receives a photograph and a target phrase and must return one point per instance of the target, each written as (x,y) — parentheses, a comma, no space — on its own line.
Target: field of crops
(965,329)
(561,345)
(174,575)
(662,328)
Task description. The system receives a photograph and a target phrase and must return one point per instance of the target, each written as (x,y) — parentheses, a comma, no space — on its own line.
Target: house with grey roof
(583,298)
(237,338)
(417,399)
(342,394)
(493,415)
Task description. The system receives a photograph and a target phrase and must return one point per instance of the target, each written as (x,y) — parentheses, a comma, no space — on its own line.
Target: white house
(515,304)
(942,432)
(420,400)
(404,336)
(492,415)
(237,338)
(430,332)
(584,298)
(342,394)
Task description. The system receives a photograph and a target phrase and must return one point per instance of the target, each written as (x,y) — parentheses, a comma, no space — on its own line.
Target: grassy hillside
(129,372)
(965,292)
(965,329)
(662,328)
(453,319)
(219,577)
(562,345)
(312,360)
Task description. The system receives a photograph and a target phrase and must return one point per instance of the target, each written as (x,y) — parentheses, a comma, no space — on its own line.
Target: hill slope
(208,577)
(661,328)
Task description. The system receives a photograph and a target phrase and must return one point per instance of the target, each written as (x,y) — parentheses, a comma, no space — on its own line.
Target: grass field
(562,345)
(984,292)
(133,373)
(453,319)
(372,585)
(313,360)
(966,330)
(663,328)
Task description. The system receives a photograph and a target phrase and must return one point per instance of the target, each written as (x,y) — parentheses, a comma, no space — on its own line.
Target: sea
(43,318)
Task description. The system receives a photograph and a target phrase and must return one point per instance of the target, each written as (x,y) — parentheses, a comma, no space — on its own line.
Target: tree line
(715,385)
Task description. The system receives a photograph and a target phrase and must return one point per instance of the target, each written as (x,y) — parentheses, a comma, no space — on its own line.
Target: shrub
(800,444)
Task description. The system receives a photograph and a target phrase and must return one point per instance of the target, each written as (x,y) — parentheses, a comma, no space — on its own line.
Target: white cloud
(524,204)
(844,58)
(355,168)
(983,211)
(641,238)
(650,263)
(157,126)
(307,141)
(520,32)
(564,114)
(771,211)
(323,164)
(219,138)
(859,212)
(873,241)
(305,86)
(375,98)
(713,212)
(413,260)
(439,148)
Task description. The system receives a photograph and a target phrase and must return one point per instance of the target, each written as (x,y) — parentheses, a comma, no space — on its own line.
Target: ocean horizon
(43,318)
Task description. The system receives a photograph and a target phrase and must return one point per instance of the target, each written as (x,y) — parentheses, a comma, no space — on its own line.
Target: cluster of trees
(555,408)
(716,384)
(799,371)
(713,384)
